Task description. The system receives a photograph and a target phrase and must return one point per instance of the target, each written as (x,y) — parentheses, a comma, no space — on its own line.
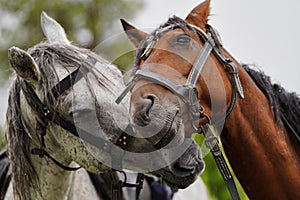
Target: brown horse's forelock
(283,104)
(174,21)
(18,132)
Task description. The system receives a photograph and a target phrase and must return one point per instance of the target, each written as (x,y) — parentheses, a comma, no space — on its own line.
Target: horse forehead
(167,43)
(171,33)
(103,68)
(171,61)
(62,71)
(165,39)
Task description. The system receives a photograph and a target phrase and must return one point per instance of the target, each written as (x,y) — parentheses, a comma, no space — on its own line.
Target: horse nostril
(143,112)
(148,103)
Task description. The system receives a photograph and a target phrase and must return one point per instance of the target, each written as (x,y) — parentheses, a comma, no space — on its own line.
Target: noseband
(188,92)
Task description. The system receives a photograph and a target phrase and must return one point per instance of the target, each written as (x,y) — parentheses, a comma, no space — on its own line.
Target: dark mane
(285,105)
(18,131)
(176,21)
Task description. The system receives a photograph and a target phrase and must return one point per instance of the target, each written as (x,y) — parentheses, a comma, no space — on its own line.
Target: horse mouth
(178,176)
(169,134)
(185,170)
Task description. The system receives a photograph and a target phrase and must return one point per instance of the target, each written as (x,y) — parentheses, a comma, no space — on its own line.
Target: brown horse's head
(159,112)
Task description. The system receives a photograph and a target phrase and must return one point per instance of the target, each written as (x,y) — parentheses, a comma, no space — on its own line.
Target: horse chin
(185,170)
(179,182)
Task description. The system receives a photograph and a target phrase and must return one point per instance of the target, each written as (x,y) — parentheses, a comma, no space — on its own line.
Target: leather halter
(189,95)
(44,115)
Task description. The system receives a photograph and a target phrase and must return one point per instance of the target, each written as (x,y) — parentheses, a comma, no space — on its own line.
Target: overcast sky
(263,32)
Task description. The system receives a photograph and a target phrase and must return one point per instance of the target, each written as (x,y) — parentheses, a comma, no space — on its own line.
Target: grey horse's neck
(53,182)
(60,185)
(56,183)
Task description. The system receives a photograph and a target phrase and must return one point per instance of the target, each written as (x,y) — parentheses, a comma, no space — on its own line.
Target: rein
(189,95)
(44,115)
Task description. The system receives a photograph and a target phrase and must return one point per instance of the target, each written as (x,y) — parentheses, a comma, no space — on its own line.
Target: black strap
(66,83)
(42,152)
(211,141)
(139,184)
(117,184)
(43,113)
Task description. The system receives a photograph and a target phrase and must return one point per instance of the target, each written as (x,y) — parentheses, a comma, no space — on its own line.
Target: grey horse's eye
(182,39)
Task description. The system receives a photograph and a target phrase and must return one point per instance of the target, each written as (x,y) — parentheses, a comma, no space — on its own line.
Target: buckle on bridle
(119,184)
(211,142)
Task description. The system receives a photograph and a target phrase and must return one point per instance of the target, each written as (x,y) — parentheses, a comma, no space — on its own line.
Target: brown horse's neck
(260,151)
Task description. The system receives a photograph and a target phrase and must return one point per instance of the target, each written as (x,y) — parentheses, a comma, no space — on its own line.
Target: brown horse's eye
(183,39)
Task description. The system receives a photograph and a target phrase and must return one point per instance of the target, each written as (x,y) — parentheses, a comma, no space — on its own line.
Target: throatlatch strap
(211,142)
(42,152)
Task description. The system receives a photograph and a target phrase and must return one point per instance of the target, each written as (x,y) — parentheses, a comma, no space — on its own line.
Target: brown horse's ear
(135,35)
(199,15)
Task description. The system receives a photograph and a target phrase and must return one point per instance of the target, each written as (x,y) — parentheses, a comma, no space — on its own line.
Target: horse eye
(183,39)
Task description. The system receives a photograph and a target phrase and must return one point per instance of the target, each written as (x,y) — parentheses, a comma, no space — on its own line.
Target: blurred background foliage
(87,23)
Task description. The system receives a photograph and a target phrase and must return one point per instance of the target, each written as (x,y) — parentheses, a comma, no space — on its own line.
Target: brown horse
(260,134)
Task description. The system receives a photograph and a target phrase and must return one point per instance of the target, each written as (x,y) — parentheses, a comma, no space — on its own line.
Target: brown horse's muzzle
(154,116)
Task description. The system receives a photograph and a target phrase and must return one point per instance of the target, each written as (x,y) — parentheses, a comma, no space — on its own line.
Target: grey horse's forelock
(18,132)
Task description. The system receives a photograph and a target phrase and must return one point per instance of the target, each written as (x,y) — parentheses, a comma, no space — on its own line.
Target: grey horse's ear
(24,65)
(135,35)
(53,30)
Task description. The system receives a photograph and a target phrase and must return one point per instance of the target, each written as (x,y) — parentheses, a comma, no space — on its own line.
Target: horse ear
(53,30)
(135,35)
(199,15)
(23,64)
